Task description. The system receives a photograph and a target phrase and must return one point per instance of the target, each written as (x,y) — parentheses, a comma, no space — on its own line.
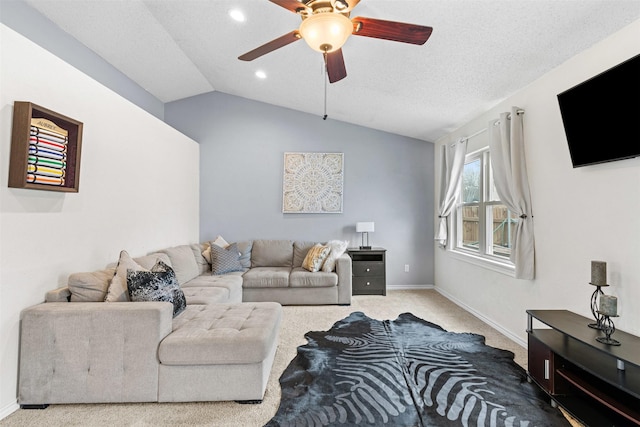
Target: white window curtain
(511,182)
(451,164)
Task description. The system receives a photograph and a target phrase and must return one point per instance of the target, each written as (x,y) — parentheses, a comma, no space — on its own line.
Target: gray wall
(27,21)
(388,179)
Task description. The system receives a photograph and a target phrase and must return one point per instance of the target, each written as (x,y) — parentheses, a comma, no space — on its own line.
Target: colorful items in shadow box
(47,161)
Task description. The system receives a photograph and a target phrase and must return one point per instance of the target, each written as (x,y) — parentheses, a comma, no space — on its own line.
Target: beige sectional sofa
(76,348)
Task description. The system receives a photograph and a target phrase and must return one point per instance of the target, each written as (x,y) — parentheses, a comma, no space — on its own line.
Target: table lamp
(365,228)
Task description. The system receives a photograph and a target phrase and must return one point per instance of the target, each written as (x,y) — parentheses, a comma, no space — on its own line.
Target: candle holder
(607,326)
(594,306)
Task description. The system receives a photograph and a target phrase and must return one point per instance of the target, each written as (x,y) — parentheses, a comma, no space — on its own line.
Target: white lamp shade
(326,31)
(365,227)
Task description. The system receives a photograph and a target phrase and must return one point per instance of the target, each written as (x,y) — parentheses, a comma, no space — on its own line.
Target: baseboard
(408,287)
(483,318)
(9,409)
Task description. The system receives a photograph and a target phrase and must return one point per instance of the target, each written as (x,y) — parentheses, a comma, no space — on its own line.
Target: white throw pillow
(338,247)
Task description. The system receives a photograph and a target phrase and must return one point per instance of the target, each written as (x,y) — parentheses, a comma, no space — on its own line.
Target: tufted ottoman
(219,352)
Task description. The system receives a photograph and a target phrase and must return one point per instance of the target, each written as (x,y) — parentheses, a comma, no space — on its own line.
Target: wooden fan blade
(335,66)
(271,46)
(291,5)
(389,30)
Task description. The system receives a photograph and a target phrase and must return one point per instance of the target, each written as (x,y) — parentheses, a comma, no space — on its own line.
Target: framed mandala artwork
(312,182)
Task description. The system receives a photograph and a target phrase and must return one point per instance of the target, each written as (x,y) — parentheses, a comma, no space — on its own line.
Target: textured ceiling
(480,52)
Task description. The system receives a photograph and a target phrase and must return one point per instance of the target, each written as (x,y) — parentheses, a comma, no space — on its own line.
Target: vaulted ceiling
(480,52)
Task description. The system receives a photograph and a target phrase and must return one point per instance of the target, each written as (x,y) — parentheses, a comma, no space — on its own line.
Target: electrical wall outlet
(406,268)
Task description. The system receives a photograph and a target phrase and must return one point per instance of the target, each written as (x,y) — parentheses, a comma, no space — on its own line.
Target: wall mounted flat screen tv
(601,116)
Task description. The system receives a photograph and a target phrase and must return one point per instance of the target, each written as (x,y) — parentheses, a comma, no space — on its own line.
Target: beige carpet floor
(297,320)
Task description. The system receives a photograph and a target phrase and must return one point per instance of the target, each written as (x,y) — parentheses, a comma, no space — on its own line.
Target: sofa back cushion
(148,261)
(183,262)
(272,253)
(203,264)
(245,253)
(90,286)
(300,250)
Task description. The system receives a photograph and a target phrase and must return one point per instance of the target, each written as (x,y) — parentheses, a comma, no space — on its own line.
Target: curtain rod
(473,135)
(518,112)
(466,138)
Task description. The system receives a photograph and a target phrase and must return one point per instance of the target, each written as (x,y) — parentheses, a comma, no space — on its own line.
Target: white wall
(583,214)
(24,19)
(139,190)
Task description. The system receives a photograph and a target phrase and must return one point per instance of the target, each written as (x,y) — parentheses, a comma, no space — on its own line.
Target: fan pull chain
(325,98)
(325,76)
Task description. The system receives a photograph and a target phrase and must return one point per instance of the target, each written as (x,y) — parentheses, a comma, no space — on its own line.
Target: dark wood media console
(596,383)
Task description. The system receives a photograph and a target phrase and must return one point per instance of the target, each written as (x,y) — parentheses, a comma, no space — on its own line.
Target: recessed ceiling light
(261,74)
(237,15)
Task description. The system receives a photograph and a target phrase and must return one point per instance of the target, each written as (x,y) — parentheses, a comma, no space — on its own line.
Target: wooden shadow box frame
(23,113)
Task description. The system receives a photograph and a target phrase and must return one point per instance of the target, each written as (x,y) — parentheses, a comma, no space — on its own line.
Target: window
(483,225)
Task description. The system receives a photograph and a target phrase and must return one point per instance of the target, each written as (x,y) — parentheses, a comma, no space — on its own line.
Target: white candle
(598,273)
(608,305)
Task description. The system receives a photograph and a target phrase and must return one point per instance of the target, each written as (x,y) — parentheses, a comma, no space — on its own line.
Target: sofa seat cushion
(225,280)
(204,296)
(266,277)
(301,278)
(232,282)
(222,334)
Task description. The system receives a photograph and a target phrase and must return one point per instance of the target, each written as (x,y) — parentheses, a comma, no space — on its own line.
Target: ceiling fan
(326,26)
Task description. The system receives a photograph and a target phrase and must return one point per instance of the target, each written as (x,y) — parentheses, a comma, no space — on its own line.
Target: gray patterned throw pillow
(225,260)
(159,284)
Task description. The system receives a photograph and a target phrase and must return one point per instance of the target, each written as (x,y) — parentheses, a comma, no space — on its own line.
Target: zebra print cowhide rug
(406,372)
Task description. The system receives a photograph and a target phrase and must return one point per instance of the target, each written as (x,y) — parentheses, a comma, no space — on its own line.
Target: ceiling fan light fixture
(326,32)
